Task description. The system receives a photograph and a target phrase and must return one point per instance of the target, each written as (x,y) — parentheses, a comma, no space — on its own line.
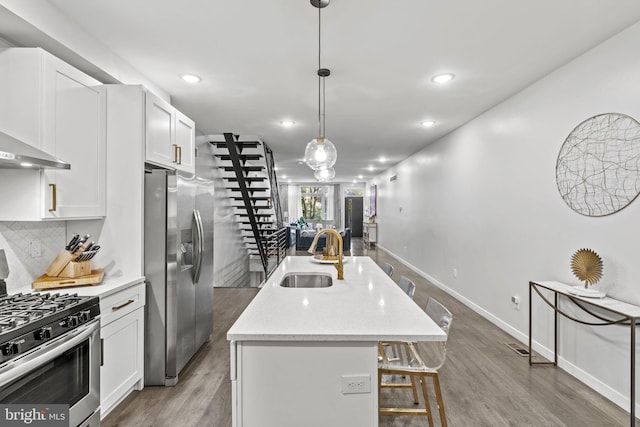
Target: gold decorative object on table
(587,266)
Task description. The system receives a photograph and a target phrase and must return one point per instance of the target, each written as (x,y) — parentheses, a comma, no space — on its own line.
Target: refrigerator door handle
(198,246)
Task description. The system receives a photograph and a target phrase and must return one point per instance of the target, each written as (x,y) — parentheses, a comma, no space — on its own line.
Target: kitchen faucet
(312,248)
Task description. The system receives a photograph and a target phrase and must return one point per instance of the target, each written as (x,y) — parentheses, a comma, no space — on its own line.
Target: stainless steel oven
(56,361)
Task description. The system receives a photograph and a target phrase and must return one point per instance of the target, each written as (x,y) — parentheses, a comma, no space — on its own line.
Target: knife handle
(54,204)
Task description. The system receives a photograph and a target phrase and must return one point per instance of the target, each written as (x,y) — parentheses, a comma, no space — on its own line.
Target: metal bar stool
(418,367)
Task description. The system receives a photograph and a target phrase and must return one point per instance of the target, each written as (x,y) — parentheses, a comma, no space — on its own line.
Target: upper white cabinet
(51,105)
(170,136)
(185,140)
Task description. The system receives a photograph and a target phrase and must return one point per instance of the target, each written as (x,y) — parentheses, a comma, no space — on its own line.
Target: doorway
(353,215)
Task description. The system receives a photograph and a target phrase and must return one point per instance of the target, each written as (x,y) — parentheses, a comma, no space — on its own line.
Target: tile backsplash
(30,247)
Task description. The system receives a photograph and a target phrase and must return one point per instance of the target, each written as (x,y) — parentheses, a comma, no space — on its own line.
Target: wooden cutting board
(48,282)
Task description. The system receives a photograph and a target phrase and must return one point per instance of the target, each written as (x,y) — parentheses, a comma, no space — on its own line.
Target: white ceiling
(258,62)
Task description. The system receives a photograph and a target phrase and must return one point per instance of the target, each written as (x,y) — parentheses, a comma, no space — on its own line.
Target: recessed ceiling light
(443,78)
(370,167)
(191,78)
(354,181)
(289,181)
(360,177)
(287,123)
(382,159)
(284,176)
(428,123)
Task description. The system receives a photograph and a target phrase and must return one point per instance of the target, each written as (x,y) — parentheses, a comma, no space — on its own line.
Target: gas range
(30,320)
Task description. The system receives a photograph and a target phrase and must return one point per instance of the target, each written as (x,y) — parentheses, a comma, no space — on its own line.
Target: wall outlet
(35,249)
(516,301)
(352,384)
(455,273)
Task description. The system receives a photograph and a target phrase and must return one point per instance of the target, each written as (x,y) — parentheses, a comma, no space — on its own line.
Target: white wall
(483,200)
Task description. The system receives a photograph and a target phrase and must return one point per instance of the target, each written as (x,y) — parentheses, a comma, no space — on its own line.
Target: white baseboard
(604,389)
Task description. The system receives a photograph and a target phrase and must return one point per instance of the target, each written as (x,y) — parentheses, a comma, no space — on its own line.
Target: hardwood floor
(484,383)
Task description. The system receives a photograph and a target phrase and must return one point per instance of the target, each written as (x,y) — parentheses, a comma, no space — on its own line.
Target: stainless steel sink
(306,280)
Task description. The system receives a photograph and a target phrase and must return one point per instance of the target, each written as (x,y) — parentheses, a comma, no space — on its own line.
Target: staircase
(247,164)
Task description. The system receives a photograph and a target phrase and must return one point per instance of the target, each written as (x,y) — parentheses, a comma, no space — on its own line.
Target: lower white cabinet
(122,334)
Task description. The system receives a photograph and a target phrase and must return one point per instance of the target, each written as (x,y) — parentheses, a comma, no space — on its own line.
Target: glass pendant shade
(320,154)
(325,175)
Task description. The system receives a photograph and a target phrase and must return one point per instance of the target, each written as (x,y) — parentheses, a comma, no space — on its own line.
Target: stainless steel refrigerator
(178,262)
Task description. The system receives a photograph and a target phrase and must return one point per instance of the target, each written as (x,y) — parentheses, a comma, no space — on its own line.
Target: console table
(370,233)
(616,313)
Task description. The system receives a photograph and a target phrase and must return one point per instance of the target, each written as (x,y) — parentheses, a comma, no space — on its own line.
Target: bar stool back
(418,362)
(388,268)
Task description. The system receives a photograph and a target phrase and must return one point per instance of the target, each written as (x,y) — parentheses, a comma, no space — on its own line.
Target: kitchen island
(308,356)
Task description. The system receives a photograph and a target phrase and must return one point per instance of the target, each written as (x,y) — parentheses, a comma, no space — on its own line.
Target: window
(317,203)
(353,192)
(313,202)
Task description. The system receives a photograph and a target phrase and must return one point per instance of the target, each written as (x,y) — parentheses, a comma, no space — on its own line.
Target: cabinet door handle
(124,304)
(54,203)
(175,153)
(179,155)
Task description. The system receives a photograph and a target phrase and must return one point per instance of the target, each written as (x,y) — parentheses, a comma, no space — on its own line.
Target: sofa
(304,238)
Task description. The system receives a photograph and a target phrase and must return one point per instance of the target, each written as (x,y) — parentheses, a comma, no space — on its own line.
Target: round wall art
(598,168)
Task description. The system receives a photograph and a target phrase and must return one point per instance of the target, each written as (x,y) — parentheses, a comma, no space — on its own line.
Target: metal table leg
(530,348)
(632,398)
(555,329)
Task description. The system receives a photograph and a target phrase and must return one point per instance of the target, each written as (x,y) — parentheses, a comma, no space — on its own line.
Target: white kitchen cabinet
(122,334)
(170,135)
(185,140)
(51,105)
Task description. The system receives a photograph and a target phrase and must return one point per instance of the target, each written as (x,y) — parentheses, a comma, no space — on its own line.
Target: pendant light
(320,153)
(324,175)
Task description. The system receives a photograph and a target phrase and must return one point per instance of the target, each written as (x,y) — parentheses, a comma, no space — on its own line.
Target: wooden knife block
(64,266)
(59,263)
(76,269)
(64,272)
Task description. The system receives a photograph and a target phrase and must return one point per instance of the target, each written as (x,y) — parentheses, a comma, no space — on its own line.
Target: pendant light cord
(320,79)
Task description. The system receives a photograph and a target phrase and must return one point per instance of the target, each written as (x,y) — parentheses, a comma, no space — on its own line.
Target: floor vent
(522,351)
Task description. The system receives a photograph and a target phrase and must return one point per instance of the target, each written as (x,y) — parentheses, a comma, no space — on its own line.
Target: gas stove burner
(21,309)
(6,324)
(29,320)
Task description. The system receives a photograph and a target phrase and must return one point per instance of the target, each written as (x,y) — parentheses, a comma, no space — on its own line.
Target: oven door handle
(18,367)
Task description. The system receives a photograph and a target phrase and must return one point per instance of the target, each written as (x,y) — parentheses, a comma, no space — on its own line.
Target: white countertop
(109,286)
(366,306)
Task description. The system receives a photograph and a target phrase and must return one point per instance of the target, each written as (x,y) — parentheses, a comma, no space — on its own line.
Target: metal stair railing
(276,244)
(273,181)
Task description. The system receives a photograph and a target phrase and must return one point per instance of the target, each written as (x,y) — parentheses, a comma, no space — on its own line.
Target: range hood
(15,154)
